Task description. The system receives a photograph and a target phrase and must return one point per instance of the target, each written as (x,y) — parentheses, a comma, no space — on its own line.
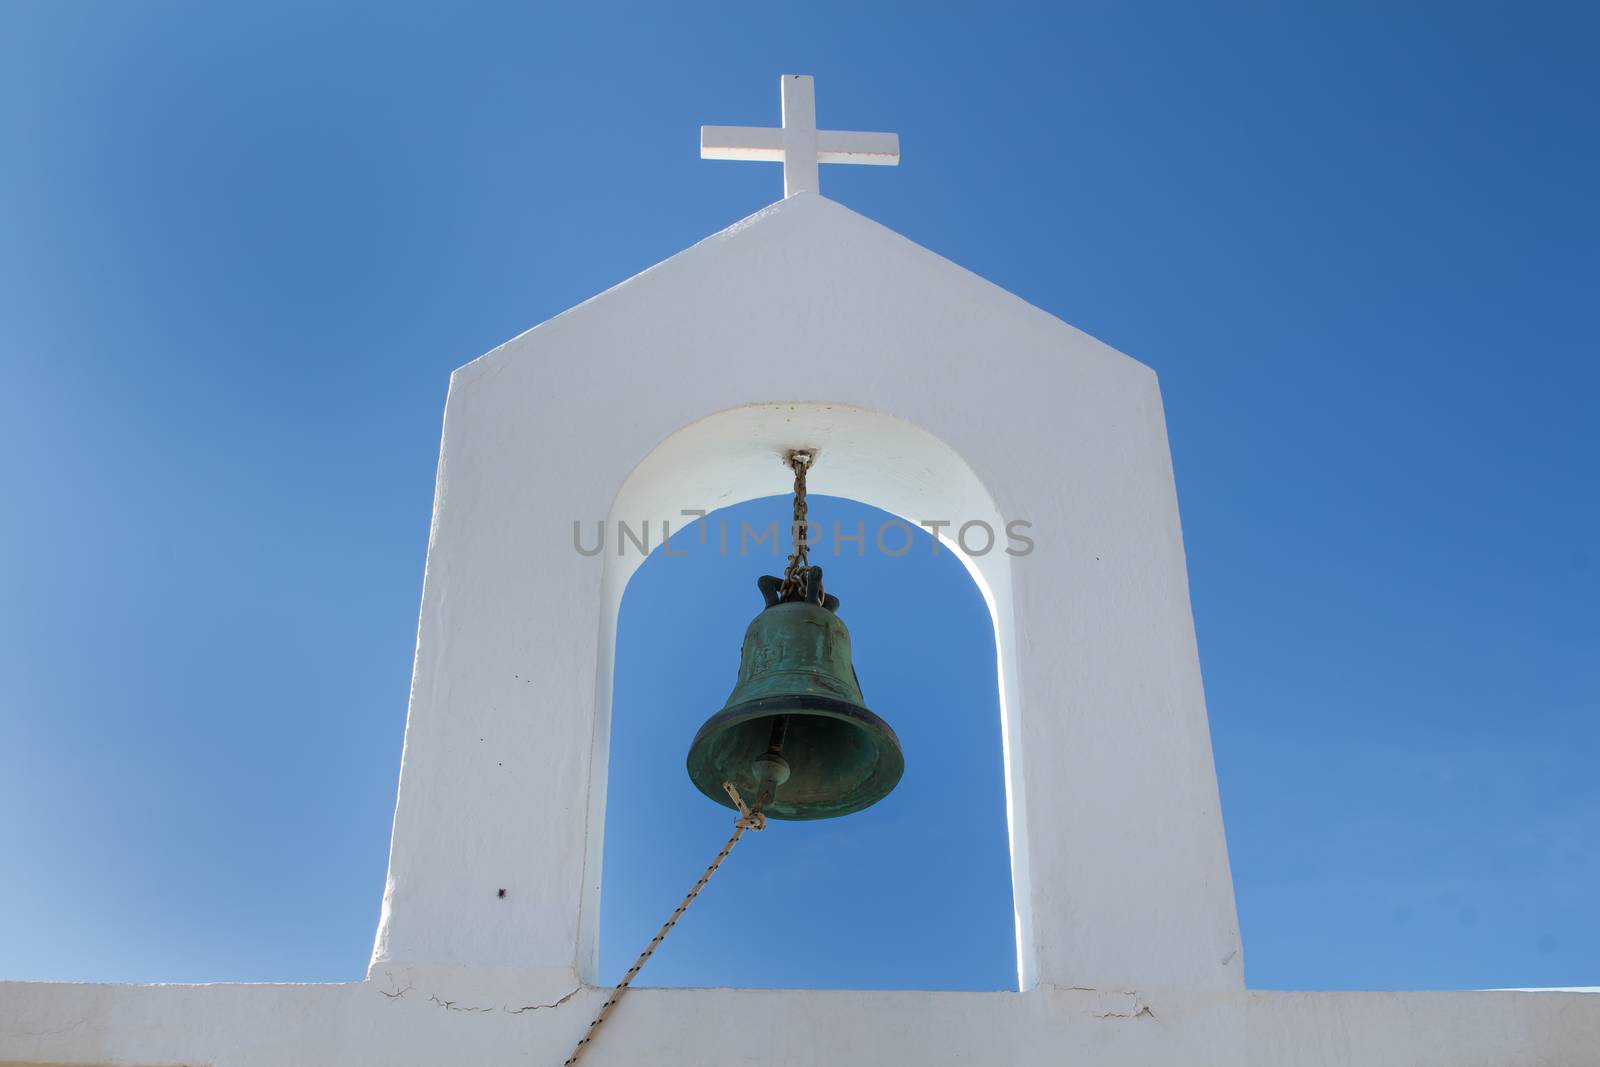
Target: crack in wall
(1140,1009)
(397,994)
(539,1007)
(1112,1003)
(450,1005)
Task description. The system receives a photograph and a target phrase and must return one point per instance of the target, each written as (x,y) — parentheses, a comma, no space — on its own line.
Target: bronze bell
(794,736)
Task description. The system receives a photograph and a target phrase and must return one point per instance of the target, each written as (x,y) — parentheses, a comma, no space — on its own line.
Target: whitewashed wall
(932,394)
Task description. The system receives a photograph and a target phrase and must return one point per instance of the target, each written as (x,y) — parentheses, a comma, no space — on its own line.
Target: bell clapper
(770,768)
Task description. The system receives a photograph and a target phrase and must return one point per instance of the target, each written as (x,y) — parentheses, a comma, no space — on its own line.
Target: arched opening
(736,456)
(912,893)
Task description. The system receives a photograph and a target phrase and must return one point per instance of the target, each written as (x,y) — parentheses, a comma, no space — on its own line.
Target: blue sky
(241,249)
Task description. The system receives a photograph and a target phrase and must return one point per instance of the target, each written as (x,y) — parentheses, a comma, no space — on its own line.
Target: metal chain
(747,820)
(793,582)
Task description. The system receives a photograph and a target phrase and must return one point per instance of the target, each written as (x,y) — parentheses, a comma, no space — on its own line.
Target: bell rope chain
(800,461)
(793,586)
(747,820)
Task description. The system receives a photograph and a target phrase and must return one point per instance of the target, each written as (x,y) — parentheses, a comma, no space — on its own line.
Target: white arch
(797,325)
(737,455)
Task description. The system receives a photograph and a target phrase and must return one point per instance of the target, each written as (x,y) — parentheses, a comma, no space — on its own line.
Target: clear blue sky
(241,250)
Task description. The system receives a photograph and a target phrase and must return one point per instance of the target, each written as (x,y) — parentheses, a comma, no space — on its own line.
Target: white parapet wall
(370,1023)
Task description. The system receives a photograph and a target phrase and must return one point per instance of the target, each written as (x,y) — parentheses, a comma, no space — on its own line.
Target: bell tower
(1103,714)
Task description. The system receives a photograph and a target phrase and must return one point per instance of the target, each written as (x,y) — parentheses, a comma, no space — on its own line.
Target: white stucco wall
(934,395)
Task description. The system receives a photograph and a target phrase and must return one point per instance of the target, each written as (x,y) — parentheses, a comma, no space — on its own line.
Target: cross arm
(841,146)
(741,142)
(765,144)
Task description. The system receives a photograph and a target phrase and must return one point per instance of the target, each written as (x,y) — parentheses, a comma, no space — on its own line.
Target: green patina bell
(795,737)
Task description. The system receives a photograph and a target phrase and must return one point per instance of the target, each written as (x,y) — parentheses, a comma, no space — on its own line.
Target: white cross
(799,145)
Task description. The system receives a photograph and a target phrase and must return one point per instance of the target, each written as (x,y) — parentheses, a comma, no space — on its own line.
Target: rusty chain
(800,461)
